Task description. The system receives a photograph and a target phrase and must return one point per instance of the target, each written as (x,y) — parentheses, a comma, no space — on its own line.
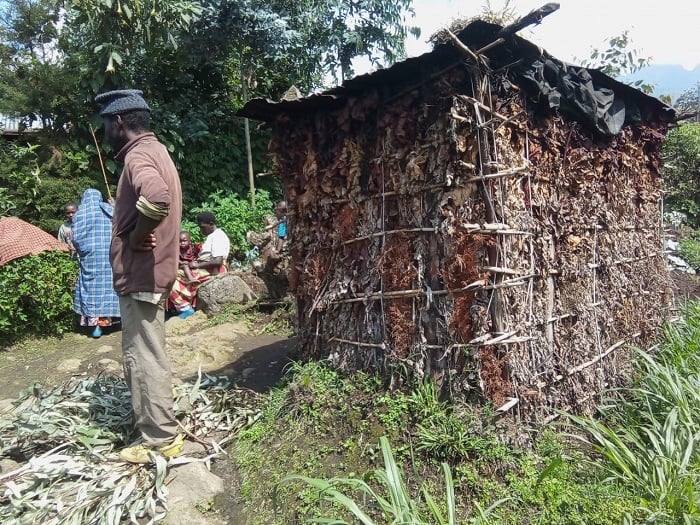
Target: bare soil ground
(230,348)
(686,286)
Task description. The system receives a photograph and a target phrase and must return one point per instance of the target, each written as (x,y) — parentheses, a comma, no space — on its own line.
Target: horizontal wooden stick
(492,229)
(381,346)
(625,261)
(518,281)
(476,285)
(403,294)
(498,269)
(390,232)
(511,341)
(495,228)
(364,198)
(489,337)
(504,173)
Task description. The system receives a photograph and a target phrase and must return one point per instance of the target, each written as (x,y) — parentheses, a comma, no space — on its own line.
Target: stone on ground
(221,291)
(183,501)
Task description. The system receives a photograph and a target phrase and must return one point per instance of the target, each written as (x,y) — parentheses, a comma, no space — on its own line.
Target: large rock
(191,486)
(251,279)
(223,290)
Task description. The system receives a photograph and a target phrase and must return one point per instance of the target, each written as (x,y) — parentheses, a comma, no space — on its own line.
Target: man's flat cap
(121,101)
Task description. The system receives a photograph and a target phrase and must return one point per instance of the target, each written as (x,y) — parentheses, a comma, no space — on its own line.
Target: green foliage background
(235,215)
(681,153)
(36,292)
(689,250)
(36,295)
(197,63)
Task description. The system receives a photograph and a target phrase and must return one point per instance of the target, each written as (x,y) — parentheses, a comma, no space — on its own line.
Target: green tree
(32,80)
(681,154)
(688,103)
(619,59)
(193,60)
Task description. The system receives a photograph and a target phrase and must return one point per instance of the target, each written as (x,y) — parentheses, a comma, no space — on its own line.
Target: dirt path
(231,349)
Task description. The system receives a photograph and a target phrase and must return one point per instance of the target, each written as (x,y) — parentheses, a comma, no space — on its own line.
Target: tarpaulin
(19,238)
(572,91)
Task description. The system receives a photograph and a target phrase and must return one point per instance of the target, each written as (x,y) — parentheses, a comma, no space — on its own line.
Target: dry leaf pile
(457,230)
(67,441)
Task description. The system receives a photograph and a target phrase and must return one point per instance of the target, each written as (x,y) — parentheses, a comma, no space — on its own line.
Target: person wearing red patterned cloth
(188,253)
(211,260)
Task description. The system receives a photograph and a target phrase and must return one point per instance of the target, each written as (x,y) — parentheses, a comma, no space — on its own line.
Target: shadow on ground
(261,363)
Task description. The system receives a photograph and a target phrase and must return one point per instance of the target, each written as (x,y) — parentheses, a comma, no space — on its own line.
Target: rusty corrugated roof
(412,72)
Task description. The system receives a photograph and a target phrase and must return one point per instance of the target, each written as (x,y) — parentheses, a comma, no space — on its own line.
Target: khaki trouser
(147,370)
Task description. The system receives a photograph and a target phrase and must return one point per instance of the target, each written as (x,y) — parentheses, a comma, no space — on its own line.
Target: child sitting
(188,253)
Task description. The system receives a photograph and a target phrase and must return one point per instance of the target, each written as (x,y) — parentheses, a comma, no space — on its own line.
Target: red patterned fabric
(19,238)
(184,295)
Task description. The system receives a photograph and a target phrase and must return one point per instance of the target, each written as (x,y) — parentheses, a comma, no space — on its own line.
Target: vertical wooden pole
(248,150)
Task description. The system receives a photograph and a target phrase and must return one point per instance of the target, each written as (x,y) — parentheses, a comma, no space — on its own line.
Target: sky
(668,31)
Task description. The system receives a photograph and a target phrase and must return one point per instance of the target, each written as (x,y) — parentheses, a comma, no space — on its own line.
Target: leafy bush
(681,155)
(235,215)
(690,252)
(36,295)
(36,182)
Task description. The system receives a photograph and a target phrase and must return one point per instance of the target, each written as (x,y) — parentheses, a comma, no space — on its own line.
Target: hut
(484,215)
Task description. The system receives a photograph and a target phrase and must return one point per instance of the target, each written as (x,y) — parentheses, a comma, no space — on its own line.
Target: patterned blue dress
(95,299)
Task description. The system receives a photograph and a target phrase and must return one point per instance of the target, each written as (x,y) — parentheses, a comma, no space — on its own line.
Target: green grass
(334,448)
(390,502)
(327,435)
(648,441)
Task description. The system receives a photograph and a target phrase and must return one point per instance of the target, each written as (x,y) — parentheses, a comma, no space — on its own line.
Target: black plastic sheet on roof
(572,91)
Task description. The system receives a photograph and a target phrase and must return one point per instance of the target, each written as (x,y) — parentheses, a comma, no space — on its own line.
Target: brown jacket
(149,172)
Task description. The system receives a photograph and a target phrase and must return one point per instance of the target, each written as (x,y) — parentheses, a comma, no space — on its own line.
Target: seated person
(188,253)
(210,261)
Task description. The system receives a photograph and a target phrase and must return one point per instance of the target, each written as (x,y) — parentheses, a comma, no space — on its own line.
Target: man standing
(144,257)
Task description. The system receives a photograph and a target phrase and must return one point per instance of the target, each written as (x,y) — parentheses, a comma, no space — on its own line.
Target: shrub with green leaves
(36,295)
(35,186)
(690,251)
(681,155)
(235,215)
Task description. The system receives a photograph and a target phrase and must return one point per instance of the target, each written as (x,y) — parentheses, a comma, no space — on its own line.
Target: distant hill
(667,79)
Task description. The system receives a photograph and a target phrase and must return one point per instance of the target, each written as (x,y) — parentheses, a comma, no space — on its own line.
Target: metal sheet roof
(412,72)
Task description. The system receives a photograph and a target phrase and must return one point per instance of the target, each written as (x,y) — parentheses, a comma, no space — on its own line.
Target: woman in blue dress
(95,299)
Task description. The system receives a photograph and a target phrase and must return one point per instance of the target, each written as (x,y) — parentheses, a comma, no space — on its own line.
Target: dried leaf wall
(457,231)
